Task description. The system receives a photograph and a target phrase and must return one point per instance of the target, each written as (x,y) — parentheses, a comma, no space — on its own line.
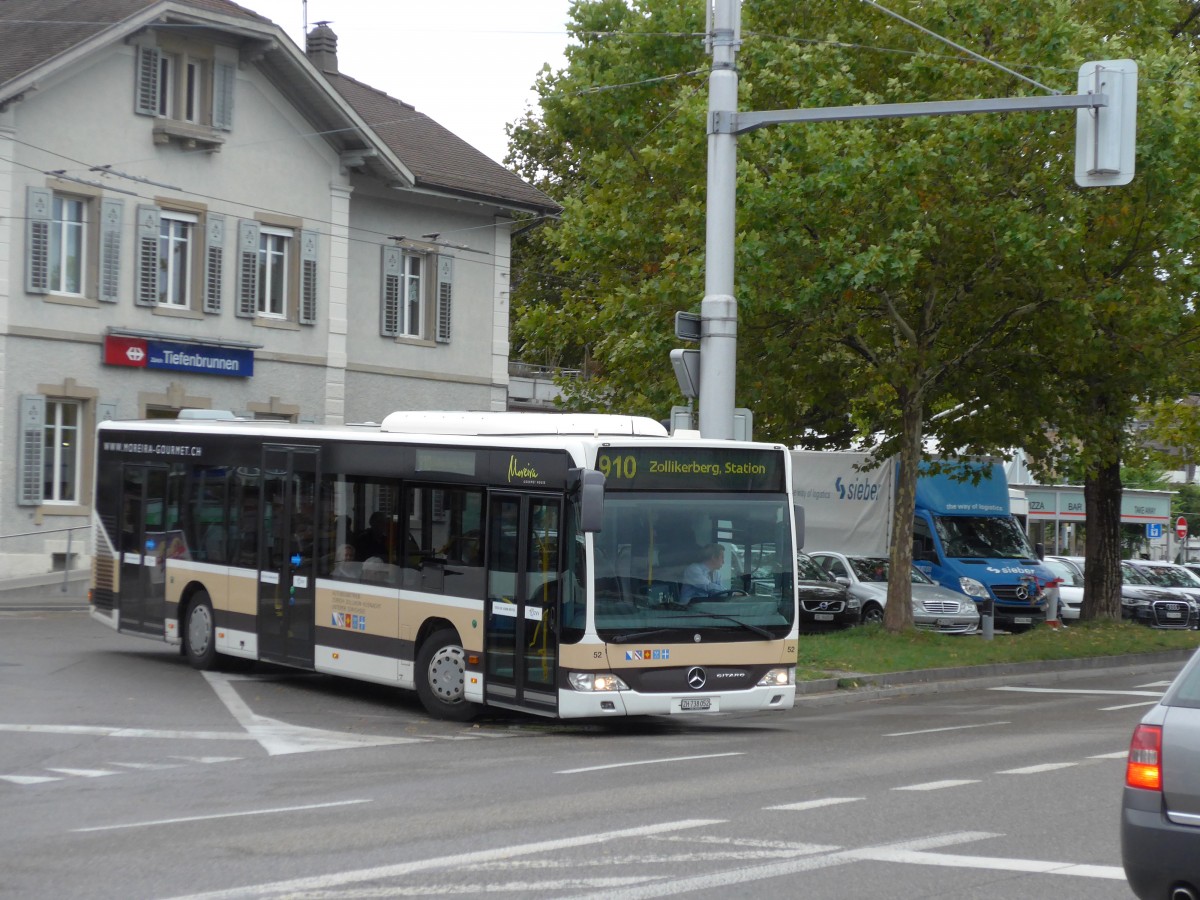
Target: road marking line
(208,760)
(782,869)
(150,767)
(1038,769)
(1120,754)
(1112,873)
(950,728)
(815,804)
(1162,684)
(1129,705)
(28,779)
(935,785)
(1036,690)
(325,882)
(645,762)
(234,815)
(279,738)
(83,773)
(102,731)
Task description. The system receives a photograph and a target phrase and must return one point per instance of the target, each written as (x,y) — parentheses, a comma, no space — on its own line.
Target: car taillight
(1144,768)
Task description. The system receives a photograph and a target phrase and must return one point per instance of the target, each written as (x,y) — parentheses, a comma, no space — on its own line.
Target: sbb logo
(856,490)
(135,354)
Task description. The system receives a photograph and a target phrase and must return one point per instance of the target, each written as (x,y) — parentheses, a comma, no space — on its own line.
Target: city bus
(528,561)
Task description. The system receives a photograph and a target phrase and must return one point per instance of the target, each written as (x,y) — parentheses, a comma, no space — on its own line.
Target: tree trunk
(1102,543)
(899,616)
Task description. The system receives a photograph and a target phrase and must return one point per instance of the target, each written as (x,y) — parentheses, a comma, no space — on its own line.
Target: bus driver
(703,578)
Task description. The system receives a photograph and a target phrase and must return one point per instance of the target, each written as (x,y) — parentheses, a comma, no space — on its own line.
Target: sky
(467,64)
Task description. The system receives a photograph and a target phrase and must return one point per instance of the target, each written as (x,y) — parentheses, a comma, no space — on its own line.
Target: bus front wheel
(441,677)
(199,633)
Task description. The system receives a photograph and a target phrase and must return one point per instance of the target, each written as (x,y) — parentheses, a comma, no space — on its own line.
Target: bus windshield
(713,564)
(982,537)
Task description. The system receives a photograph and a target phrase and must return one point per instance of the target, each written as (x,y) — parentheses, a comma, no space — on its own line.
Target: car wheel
(872,612)
(199,633)
(441,677)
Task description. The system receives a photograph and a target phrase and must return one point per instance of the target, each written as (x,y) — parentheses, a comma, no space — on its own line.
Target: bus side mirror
(591,499)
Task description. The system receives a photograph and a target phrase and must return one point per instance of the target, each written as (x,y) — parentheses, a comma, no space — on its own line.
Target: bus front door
(521,633)
(287,547)
(144,544)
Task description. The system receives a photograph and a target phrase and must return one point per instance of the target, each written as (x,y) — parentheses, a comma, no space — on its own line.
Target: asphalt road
(124,773)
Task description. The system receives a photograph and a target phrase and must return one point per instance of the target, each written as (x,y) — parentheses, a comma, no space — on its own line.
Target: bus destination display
(692,469)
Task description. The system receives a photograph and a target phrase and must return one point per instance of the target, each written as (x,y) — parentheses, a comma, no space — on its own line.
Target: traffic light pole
(1104,157)
(718,311)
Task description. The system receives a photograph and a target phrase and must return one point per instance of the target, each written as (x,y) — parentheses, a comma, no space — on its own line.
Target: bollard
(987,618)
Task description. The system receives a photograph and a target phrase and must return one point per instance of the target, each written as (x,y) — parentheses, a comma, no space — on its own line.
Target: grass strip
(868,649)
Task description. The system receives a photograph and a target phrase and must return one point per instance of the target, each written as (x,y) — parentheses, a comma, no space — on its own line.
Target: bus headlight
(973,588)
(596,681)
(778,677)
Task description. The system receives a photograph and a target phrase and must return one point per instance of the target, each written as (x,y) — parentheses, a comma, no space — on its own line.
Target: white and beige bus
(537,562)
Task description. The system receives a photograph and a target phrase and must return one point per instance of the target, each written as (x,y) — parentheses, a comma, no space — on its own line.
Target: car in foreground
(1070,588)
(1160,807)
(934,607)
(824,601)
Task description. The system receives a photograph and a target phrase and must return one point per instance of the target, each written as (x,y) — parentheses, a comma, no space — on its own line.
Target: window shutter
(224,75)
(247,295)
(112,214)
(389,306)
(149,272)
(29,461)
(145,94)
(445,296)
(308,278)
(214,262)
(38,204)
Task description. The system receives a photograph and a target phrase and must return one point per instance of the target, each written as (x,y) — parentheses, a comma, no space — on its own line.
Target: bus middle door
(287,541)
(521,630)
(144,540)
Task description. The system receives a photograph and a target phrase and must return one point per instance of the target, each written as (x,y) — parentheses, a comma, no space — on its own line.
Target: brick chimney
(322,48)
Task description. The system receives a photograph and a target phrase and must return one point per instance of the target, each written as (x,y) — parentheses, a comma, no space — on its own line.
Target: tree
(904,281)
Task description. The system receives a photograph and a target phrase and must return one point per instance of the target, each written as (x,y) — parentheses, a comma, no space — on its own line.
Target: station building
(196,214)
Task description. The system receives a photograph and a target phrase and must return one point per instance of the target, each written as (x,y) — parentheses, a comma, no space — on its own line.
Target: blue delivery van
(964,535)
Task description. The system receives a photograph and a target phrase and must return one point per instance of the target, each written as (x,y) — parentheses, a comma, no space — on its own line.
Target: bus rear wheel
(199,633)
(441,677)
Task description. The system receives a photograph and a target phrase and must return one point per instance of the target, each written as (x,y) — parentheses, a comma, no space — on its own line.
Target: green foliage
(886,270)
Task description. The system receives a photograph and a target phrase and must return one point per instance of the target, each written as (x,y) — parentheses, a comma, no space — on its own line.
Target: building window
(190,82)
(274,245)
(410,293)
(175,250)
(68,234)
(60,452)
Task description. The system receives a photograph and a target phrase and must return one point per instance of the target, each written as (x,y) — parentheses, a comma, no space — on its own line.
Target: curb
(929,681)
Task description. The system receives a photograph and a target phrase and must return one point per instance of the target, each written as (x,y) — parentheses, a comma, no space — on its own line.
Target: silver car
(1160,810)
(934,607)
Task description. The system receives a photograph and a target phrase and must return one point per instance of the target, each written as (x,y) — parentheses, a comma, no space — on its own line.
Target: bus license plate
(1022,620)
(823,617)
(696,704)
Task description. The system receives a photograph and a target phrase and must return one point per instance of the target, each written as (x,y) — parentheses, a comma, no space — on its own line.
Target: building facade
(196,214)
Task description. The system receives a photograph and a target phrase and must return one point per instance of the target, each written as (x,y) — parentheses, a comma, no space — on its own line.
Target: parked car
(1070,589)
(824,601)
(1160,808)
(934,607)
(1164,595)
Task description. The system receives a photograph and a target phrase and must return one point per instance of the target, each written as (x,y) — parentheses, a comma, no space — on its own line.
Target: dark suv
(824,602)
